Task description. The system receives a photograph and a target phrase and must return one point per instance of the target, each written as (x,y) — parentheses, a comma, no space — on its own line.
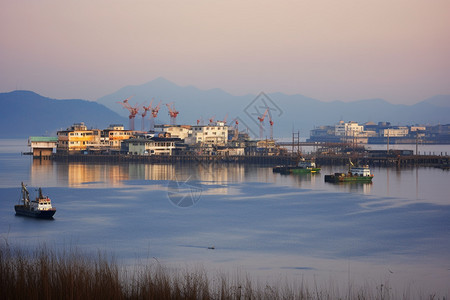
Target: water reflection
(311,225)
(414,184)
(360,187)
(79,175)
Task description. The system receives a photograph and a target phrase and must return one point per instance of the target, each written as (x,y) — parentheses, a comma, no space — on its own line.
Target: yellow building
(113,136)
(267,147)
(77,138)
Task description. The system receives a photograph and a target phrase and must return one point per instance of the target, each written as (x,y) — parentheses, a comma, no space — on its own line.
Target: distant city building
(348,128)
(213,134)
(418,128)
(233,151)
(176,131)
(152,146)
(77,138)
(352,132)
(42,145)
(267,147)
(394,132)
(114,135)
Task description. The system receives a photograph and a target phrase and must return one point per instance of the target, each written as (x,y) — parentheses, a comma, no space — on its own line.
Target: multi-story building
(381,133)
(113,136)
(348,128)
(418,128)
(267,147)
(152,146)
(78,138)
(323,134)
(176,131)
(394,132)
(212,134)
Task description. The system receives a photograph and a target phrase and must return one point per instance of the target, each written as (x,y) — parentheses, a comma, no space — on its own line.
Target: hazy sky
(346,50)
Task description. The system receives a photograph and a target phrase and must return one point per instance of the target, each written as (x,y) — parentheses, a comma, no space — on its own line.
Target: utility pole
(417,140)
(388,141)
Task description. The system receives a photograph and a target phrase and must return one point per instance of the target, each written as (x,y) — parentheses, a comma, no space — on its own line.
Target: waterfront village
(219,139)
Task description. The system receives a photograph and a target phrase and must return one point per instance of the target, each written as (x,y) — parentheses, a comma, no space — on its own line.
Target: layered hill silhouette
(292,112)
(25,113)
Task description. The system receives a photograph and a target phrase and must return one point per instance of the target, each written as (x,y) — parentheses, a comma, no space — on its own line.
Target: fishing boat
(41,207)
(283,169)
(355,174)
(304,167)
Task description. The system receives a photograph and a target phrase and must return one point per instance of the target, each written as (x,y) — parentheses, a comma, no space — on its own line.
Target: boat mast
(25,194)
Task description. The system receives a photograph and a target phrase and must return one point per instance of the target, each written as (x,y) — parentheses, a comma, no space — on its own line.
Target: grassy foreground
(46,274)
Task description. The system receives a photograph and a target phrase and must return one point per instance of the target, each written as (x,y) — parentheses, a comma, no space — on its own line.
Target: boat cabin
(41,204)
(360,171)
(306,164)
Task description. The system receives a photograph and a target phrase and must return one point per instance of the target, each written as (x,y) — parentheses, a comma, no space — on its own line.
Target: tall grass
(46,274)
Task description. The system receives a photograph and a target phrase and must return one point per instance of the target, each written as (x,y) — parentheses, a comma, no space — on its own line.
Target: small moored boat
(41,207)
(354,174)
(305,166)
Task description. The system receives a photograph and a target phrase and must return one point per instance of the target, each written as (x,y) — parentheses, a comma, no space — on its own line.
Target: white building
(418,128)
(395,132)
(154,146)
(176,131)
(348,129)
(213,134)
(42,145)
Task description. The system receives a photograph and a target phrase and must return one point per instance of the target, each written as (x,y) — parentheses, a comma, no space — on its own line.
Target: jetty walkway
(287,159)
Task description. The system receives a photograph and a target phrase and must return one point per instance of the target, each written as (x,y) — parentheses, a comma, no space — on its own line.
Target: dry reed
(46,274)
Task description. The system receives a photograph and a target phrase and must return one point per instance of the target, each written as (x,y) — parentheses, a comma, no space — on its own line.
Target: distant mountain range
(26,113)
(288,112)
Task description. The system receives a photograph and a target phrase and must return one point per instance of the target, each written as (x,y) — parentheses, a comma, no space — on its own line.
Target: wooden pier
(387,161)
(240,159)
(270,160)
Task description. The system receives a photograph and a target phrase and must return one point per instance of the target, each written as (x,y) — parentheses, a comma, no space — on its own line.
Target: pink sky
(329,50)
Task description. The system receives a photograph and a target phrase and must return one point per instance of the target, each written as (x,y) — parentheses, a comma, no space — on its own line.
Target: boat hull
(283,169)
(305,170)
(294,170)
(40,214)
(346,178)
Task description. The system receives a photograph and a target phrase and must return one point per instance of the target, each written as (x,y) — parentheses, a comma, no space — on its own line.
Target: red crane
(225,119)
(146,109)
(261,121)
(211,120)
(236,129)
(124,103)
(271,126)
(200,121)
(133,111)
(172,113)
(153,116)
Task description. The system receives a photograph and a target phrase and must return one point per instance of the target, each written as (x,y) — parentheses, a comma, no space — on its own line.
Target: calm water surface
(271,226)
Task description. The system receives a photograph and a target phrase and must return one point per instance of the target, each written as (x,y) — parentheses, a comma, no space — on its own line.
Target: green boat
(355,174)
(305,167)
